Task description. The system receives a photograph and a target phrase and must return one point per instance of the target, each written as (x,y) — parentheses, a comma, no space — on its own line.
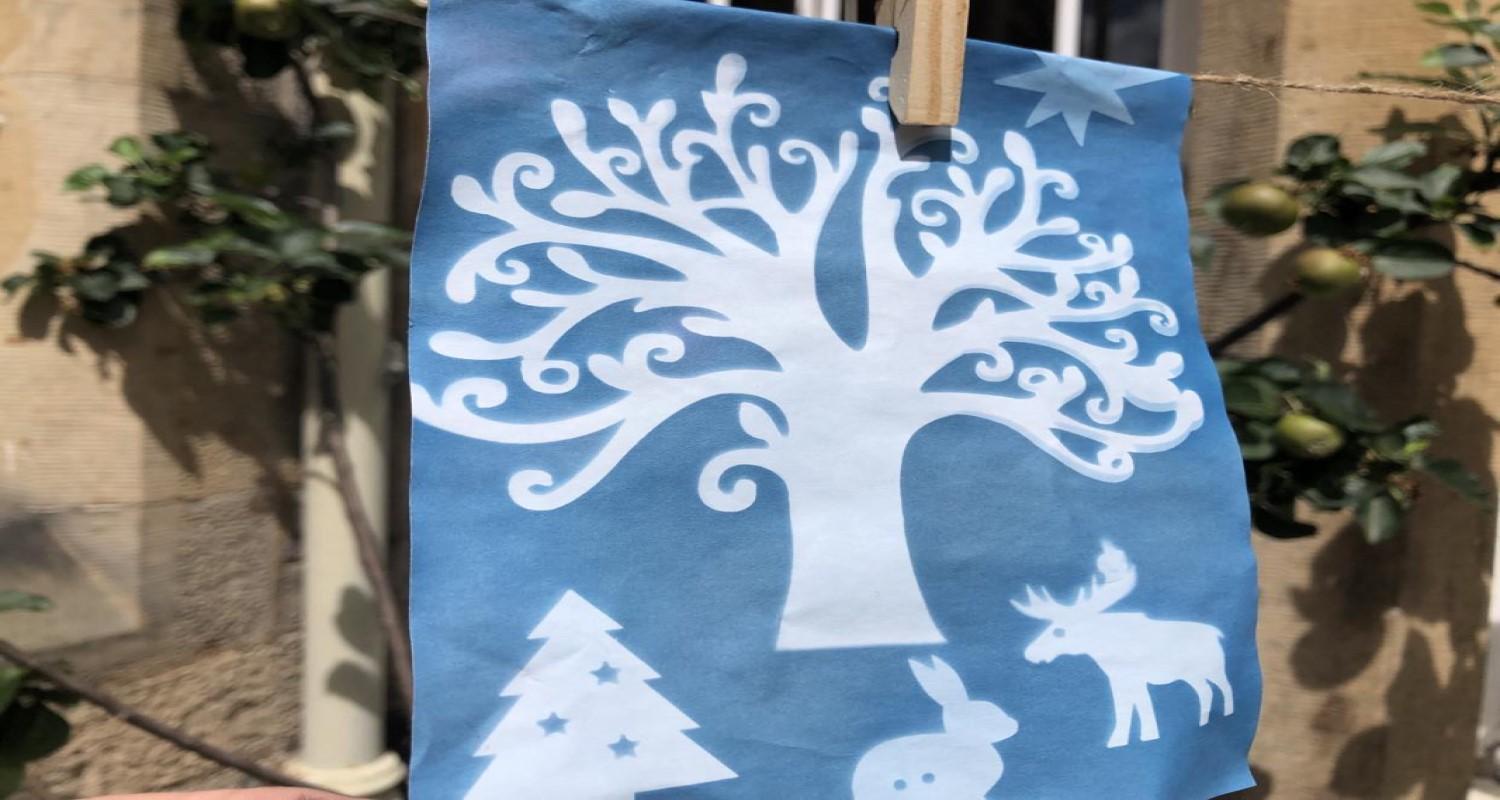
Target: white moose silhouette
(1135,651)
(958,764)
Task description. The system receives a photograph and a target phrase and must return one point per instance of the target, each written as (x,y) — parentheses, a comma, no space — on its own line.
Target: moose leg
(1205,694)
(1124,714)
(1143,706)
(1222,681)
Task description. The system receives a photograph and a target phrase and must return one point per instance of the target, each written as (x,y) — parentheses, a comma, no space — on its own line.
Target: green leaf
(99,285)
(128,148)
(1312,157)
(11,777)
(180,146)
(1413,259)
(1400,153)
(1381,518)
(1439,182)
(17,282)
(133,281)
(1391,446)
(199,179)
(1458,478)
(1436,8)
(1420,429)
(1281,370)
(1456,56)
(1201,248)
(116,312)
(372,230)
(85,177)
(11,679)
(1339,404)
(1257,440)
(1377,177)
(29,731)
(1402,201)
(300,243)
(121,191)
(1253,396)
(1355,489)
(257,211)
(1482,230)
(11,600)
(1228,366)
(173,257)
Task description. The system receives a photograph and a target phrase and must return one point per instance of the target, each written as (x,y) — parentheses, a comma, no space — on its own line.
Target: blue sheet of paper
(767,450)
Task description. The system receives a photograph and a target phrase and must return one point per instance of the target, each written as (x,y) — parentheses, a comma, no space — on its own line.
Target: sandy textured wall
(145,474)
(1374,655)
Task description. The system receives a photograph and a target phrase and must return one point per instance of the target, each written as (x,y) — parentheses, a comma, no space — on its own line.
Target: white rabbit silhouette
(958,764)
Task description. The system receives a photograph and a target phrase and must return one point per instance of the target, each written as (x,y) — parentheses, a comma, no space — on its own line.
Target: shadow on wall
(96,596)
(1408,615)
(358,683)
(193,387)
(221,408)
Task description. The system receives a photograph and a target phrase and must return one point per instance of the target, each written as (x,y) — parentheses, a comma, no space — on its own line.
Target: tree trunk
(852,583)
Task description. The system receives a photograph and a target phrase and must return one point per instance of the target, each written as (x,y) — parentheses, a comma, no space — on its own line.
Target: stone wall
(146,474)
(1374,655)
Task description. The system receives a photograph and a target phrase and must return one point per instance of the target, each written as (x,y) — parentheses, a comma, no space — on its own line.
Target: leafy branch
(1305,435)
(31,727)
(232,244)
(231,250)
(240,250)
(1388,215)
(375,40)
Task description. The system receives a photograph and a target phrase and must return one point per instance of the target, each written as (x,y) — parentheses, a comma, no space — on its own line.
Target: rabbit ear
(940,682)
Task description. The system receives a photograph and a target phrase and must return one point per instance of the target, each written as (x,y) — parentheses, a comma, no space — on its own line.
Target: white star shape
(1078,89)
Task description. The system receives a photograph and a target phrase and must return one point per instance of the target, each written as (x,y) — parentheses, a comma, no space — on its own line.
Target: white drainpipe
(822,9)
(1488,739)
(1067,27)
(343,744)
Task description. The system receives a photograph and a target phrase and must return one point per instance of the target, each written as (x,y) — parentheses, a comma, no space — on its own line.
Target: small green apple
(1306,436)
(1260,209)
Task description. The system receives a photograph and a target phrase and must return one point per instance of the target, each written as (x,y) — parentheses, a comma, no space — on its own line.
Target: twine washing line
(1388,90)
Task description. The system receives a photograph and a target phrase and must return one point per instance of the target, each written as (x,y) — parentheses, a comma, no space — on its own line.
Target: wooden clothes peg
(927,73)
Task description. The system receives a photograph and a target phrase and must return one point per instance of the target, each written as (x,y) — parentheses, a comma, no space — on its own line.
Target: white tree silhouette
(831,419)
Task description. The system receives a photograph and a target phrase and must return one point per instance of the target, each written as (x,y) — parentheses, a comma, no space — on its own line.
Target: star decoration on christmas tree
(624,748)
(553,724)
(1077,89)
(606,674)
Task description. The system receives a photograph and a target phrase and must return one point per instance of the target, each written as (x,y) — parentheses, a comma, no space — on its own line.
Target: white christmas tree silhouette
(585,724)
(1051,349)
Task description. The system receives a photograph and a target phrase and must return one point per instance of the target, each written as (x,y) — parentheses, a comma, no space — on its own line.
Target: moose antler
(1040,604)
(1115,580)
